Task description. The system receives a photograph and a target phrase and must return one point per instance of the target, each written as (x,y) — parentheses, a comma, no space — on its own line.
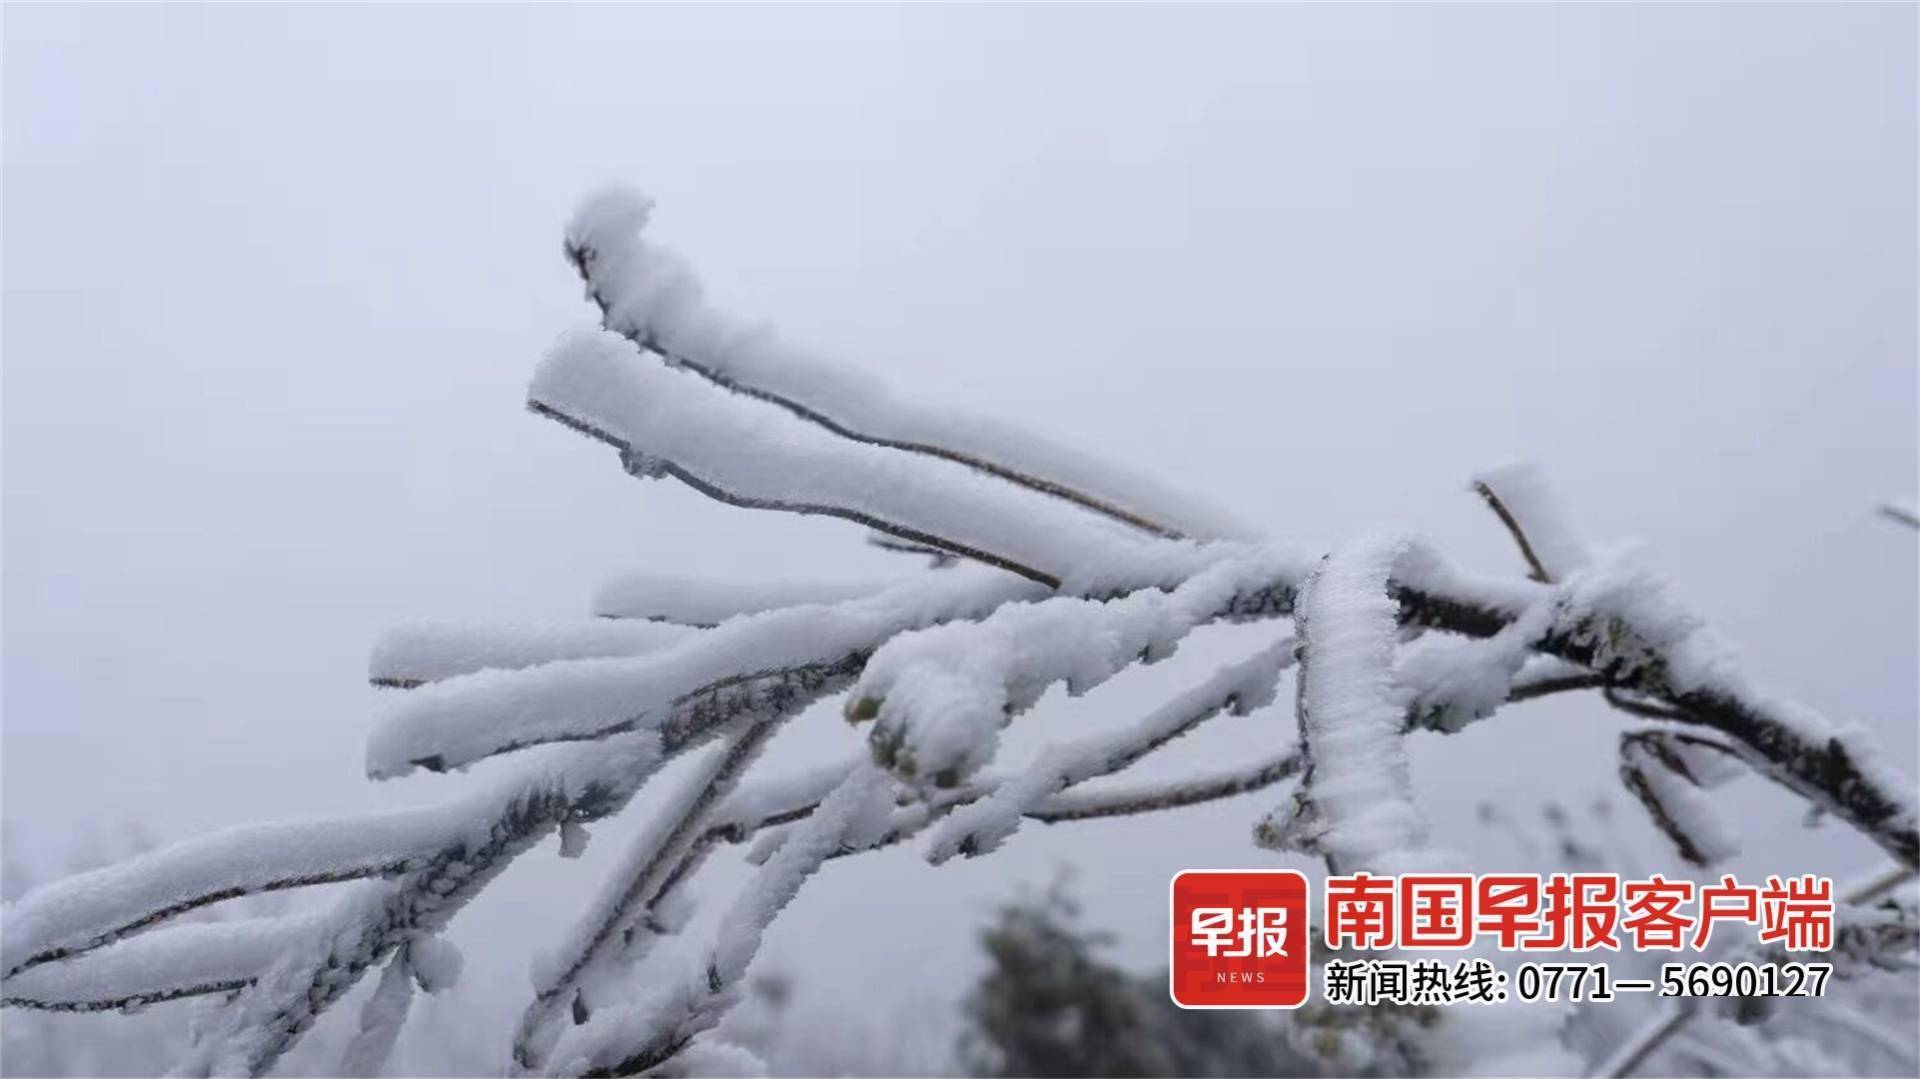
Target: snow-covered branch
(1241,686)
(380,1020)
(83,912)
(1071,804)
(1519,495)
(705,603)
(1670,773)
(1125,800)
(632,888)
(431,652)
(1631,651)
(373,920)
(745,453)
(634,1039)
(1622,622)
(1454,681)
(650,295)
(165,964)
(941,695)
(1355,804)
(980,828)
(681,692)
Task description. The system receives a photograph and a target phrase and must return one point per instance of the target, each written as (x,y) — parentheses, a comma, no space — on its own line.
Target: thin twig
(1534,569)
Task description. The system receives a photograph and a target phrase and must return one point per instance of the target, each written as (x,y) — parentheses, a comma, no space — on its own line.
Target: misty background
(276,277)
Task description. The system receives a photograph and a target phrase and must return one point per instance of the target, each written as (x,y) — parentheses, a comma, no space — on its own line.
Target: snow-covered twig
(380,1020)
(1882,935)
(650,295)
(166,964)
(1354,805)
(683,691)
(83,912)
(430,652)
(1074,803)
(635,1039)
(1521,498)
(941,695)
(364,928)
(772,804)
(1621,623)
(981,827)
(668,422)
(1453,682)
(1127,800)
(632,886)
(1669,772)
(702,603)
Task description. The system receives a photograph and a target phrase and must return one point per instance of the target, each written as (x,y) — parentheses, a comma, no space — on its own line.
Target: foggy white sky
(275,279)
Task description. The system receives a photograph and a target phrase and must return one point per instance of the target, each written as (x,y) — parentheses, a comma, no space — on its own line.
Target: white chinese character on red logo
(1262,931)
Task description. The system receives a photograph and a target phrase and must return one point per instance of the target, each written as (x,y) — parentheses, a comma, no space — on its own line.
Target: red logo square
(1240,939)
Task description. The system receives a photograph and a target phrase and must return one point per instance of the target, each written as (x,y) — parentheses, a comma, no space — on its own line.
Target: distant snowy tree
(1050,1005)
(1048,568)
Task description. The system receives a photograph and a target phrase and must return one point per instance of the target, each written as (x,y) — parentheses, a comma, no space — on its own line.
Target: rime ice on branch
(649,294)
(1050,568)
